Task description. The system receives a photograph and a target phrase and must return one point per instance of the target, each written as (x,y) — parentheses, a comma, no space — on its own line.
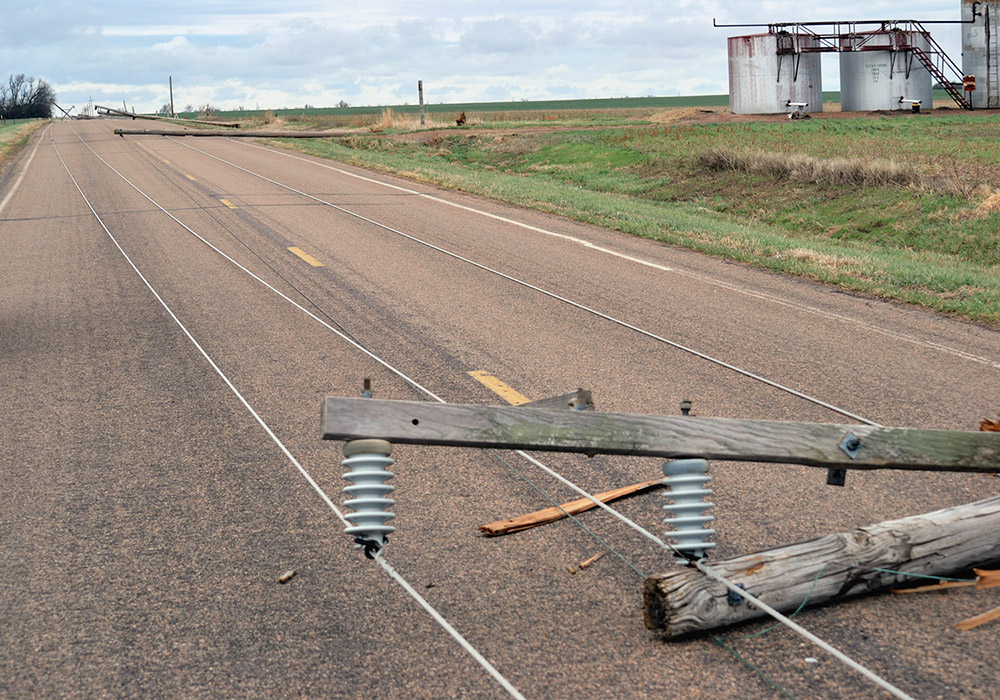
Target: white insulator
(367,462)
(685,486)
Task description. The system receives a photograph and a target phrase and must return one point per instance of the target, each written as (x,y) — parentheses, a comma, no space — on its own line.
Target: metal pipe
(857,21)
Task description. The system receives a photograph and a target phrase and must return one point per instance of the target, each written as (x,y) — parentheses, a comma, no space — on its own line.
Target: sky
(290,53)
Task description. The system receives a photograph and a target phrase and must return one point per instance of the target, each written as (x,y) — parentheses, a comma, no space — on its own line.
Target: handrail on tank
(933,57)
(859,21)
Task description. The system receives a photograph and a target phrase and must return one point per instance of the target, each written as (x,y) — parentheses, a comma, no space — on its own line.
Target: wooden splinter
(549,515)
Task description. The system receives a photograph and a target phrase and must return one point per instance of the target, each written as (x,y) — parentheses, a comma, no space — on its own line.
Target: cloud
(501,36)
(367,52)
(45,24)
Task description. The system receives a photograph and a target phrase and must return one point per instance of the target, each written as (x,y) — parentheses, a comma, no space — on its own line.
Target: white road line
(656,266)
(540,290)
(448,628)
(471,650)
(445,625)
(24,170)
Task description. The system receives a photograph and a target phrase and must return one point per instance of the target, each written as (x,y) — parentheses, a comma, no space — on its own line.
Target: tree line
(25,98)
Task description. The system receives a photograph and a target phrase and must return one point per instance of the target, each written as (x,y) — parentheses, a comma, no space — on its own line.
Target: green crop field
(623,103)
(619,104)
(899,206)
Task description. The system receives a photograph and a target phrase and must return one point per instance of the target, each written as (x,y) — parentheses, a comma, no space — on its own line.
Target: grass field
(902,207)
(617,103)
(14,135)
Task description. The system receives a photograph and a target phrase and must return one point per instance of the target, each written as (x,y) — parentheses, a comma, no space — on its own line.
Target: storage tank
(877,70)
(981,50)
(767,71)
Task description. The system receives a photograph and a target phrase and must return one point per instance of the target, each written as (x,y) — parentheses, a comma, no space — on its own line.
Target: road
(164,356)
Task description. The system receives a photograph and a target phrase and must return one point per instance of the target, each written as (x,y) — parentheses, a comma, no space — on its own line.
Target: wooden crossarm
(589,432)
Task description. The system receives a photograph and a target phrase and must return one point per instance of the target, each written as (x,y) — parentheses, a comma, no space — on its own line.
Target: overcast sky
(287,53)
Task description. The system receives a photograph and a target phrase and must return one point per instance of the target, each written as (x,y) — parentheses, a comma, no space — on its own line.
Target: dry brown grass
(394,120)
(13,137)
(991,203)
(835,264)
(799,167)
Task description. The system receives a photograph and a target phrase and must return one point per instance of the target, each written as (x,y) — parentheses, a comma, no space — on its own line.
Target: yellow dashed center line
(305,256)
(190,178)
(227,203)
(508,394)
(167,161)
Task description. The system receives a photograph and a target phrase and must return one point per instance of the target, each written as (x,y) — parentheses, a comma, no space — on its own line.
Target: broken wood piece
(588,562)
(989,425)
(984,579)
(549,515)
(833,567)
(987,578)
(973,622)
(944,585)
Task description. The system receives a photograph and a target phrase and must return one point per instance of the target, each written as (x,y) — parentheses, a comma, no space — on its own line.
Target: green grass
(14,135)
(548,106)
(622,103)
(929,244)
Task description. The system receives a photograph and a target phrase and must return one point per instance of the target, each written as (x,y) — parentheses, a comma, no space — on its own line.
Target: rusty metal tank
(881,71)
(981,51)
(767,71)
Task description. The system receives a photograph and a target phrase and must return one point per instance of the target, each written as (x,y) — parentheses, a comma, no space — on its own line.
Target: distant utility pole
(171,79)
(420,89)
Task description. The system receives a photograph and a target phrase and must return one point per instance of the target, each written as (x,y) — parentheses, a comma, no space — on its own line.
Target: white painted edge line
(24,170)
(468,647)
(656,266)
(490,669)
(471,650)
(528,285)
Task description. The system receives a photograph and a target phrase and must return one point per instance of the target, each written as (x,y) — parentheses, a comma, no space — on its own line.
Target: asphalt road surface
(163,358)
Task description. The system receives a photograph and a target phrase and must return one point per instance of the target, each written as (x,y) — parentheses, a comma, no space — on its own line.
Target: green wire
(760,672)
(797,610)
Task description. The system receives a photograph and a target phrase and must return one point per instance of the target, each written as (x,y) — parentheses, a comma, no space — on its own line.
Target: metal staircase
(935,61)
(942,80)
(992,54)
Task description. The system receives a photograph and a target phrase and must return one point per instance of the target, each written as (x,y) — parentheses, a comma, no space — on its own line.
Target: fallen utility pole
(828,568)
(590,432)
(108,111)
(56,105)
(229,134)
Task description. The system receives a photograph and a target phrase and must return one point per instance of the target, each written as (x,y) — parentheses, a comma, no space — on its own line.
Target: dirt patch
(671,116)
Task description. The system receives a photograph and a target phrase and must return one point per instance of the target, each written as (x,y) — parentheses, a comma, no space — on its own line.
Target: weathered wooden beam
(829,568)
(588,432)
(230,134)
